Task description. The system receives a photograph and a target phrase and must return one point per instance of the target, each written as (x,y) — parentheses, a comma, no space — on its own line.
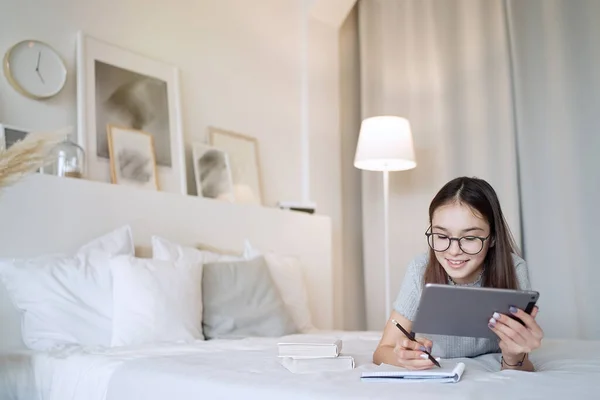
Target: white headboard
(46,214)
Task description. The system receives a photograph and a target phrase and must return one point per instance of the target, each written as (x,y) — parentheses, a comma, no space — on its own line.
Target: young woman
(471,245)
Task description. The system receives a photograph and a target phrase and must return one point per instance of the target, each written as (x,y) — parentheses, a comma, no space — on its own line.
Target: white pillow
(288,275)
(156,301)
(66,299)
(163,249)
(286,271)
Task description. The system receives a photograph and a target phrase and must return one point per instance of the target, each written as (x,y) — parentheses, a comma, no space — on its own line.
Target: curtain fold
(556,59)
(506,90)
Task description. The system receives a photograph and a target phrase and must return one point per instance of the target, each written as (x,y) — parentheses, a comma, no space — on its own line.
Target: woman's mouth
(456,263)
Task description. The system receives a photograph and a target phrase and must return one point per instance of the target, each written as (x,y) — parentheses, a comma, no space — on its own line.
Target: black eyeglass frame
(429,233)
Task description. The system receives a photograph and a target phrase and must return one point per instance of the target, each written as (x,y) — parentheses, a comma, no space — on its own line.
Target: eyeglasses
(468,244)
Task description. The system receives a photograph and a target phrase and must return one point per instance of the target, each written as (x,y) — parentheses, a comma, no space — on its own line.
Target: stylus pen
(411,337)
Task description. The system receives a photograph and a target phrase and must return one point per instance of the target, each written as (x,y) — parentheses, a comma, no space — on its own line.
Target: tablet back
(465,311)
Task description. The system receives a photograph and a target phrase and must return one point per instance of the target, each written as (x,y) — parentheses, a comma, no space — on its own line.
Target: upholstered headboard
(46,214)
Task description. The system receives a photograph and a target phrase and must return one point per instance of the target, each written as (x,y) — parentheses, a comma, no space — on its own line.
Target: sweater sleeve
(408,298)
(522,273)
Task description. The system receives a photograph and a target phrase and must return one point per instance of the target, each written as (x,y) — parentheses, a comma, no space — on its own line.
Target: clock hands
(37,67)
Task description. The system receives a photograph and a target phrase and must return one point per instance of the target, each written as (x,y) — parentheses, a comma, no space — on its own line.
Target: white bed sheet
(249,368)
(20,378)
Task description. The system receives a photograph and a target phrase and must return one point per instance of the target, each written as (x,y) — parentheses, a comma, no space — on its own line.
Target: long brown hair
(499,271)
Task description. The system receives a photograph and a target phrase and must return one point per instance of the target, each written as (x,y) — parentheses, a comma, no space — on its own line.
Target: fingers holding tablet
(516,337)
(528,319)
(509,327)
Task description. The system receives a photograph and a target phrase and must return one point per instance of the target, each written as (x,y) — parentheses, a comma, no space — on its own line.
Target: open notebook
(449,373)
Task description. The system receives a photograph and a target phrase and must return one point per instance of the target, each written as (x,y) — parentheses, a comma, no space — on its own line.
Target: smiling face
(456,220)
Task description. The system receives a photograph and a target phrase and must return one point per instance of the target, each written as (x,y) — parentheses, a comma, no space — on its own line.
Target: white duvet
(249,368)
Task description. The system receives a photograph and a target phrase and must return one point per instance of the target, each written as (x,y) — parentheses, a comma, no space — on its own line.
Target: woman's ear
(492,242)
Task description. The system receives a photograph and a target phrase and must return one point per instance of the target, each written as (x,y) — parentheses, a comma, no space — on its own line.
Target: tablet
(465,310)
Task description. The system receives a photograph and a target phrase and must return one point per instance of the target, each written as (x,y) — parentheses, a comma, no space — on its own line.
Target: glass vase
(69,160)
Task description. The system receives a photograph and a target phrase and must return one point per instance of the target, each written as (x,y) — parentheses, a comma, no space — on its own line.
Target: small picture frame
(212,172)
(9,135)
(132,158)
(243,155)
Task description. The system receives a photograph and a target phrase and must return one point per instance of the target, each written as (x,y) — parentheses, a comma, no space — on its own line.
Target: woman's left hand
(517,339)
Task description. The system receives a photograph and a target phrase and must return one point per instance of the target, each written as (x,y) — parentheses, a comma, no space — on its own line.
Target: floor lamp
(385,144)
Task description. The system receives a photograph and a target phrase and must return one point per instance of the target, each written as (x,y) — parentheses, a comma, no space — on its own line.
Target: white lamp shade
(385,144)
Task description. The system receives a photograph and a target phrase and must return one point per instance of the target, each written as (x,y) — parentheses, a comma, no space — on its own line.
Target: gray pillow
(240,299)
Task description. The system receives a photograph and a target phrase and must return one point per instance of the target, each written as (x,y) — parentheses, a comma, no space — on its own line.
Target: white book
(449,373)
(310,348)
(315,365)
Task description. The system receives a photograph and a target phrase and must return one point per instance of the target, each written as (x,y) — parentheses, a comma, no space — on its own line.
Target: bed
(248,368)
(44,215)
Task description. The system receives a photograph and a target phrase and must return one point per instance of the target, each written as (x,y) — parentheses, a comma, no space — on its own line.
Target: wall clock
(35,69)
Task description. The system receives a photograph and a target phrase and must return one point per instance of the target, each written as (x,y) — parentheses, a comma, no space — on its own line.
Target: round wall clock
(35,69)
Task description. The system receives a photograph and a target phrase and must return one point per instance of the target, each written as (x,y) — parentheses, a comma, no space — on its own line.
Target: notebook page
(450,372)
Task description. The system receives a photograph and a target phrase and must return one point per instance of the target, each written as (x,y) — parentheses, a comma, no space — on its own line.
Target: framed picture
(213,173)
(9,135)
(132,158)
(242,152)
(120,88)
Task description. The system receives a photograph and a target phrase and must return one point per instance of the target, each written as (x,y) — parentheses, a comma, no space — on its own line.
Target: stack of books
(314,355)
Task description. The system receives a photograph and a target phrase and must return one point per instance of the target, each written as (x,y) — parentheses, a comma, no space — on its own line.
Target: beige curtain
(556,59)
(507,90)
(443,65)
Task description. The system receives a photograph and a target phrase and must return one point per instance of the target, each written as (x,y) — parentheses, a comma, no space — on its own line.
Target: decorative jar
(69,160)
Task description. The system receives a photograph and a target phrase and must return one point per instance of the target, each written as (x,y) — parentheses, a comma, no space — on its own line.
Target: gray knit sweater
(407,303)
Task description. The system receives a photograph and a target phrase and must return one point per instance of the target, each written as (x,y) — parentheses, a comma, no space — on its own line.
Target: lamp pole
(385,144)
(386,241)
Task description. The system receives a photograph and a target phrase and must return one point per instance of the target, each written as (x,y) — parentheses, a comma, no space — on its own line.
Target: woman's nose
(454,248)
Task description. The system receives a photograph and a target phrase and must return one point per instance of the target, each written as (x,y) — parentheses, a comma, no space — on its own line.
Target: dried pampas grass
(27,155)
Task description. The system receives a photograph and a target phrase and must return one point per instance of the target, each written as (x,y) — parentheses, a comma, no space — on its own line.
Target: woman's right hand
(410,354)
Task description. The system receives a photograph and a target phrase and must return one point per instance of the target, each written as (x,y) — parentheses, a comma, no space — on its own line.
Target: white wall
(240,64)
(325,157)
(239,61)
